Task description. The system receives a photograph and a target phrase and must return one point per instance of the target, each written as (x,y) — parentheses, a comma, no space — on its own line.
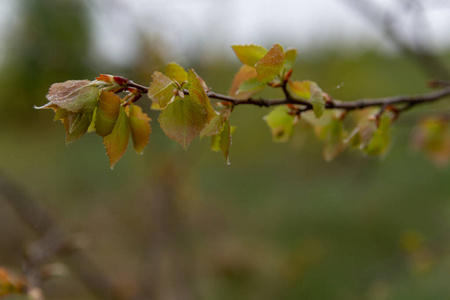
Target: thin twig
(409,100)
(421,54)
(331,103)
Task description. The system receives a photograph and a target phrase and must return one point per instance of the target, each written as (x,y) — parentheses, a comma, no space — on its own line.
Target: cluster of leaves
(186,111)
(273,68)
(371,130)
(92,106)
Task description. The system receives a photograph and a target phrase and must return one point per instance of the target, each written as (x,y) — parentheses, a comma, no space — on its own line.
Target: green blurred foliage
(279,223)
(50,45)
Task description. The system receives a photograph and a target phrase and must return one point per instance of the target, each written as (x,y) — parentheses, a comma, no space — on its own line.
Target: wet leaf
(176,72)
(182,120)
(140,127)
(281,123)
(197,93)
(116,142)
(249,54)
(107,113)
(161,89)
(271,64)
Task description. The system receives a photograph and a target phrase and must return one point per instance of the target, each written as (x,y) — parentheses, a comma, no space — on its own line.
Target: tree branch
(408,100)
(331,103)
(421,54)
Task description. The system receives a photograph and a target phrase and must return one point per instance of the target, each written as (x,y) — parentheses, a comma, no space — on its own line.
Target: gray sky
(213,25)
(210,26)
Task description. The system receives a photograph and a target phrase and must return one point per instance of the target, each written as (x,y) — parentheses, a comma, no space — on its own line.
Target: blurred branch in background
(417,50)
(165,272)
(53,241)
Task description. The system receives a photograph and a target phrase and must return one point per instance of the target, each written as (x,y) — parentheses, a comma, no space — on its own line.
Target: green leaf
(107,113)
(308,90)
(182,120)
(319,124)
(251,85)
(289,58)
(76,125)
(362,134)
(176,72)
(222,140)
(116,142)
(197,93)
(271,64)
(300,89)
(73,95)
(140,127)
(213,127)
(354,139)
(161,89)
(245,73)
(91,127)
(281,123)
(60,113)
(334,138)
(249,54)
(317,100)
(381,137)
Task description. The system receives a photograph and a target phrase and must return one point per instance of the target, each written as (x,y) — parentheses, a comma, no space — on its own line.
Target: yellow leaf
(249,54)
(176,72)
(107,113)
(140,127)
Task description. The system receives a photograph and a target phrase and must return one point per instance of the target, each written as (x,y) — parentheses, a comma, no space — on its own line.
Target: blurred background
(279,222)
